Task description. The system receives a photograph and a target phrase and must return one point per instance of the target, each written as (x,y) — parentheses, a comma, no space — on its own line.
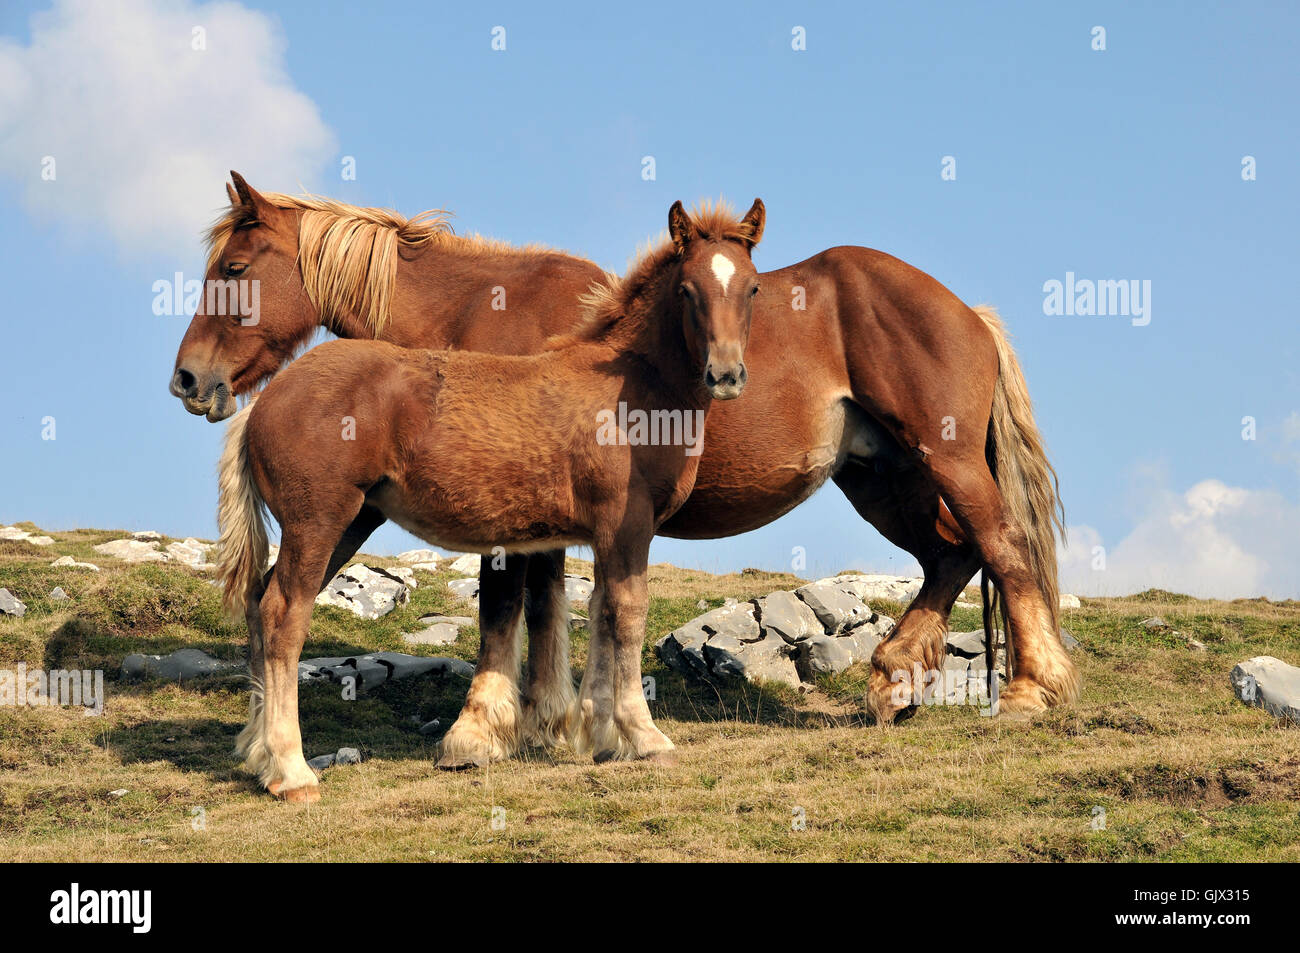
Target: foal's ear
(232,195)
(249,196)
(752,224)
(680,226)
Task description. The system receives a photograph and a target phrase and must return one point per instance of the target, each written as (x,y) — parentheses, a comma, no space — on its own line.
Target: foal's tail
(241,517)
(1030,490)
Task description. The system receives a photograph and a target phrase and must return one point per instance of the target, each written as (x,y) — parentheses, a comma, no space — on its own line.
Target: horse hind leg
(1043,674)
(488,726)
(549,694)
(903,505)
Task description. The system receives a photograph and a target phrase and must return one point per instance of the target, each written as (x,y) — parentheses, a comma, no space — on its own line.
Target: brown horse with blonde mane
(473,451)
(867,371)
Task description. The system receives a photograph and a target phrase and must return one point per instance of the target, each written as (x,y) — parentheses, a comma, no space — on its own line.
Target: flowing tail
(1030,490)
(243,548)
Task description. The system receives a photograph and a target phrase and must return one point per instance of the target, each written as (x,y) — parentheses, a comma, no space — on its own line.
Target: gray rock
(41,540)
(786,615)
(768,659)
(11,604)
(133,551)
(322,762)
(837,608)
(465,590)
(467,565)
(192,553)
(419,557)
(58,595)
(147,536)
(430,727)
(365,591)
(13,532)
(1068,601)
(579,590)
(179,665)
(869,586)
(1155,622)
(69,562)
(578,622)
(439,630)
(347,756)
(683,650)
(1269,683)
(376,668)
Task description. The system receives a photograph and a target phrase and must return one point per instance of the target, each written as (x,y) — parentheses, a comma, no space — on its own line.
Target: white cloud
(143,127)
(1214,541)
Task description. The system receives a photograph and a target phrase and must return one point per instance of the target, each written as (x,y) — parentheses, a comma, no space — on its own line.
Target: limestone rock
(420,557)
(836,606)
(71,563)
(11,604)
(179,665)
(1269,683)
(466,565)
(365,591)
(133,551)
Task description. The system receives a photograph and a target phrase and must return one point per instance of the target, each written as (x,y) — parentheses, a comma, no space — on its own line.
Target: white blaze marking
(723,269)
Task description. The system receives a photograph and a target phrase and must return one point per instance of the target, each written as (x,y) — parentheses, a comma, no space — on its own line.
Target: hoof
(307,794)
(459,763)
(666,759)
(609,754)
(1021,699)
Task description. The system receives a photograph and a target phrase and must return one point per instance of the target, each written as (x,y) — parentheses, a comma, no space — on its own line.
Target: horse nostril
(709,379)
(744,374)
(185,384)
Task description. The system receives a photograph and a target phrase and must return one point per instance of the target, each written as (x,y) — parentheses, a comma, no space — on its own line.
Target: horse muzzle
(727,383)
(213,401)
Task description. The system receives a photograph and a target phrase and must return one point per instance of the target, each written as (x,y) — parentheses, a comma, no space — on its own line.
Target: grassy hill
(1181,769)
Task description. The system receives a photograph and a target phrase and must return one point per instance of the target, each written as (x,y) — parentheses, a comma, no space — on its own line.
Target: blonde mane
(348,253)
(603,308)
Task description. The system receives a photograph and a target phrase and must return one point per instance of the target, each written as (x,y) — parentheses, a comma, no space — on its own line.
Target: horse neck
(656,341)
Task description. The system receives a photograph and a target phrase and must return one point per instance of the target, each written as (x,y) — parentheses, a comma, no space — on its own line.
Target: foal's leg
(488,727)
(1043,673)
(251,743)
(286,614)
(614,719)
(903,506)
(549,693)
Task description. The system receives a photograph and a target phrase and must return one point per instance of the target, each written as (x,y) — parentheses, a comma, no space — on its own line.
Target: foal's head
(717,283)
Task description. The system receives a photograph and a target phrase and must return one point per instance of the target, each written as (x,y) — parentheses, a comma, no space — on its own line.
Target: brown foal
(473,451)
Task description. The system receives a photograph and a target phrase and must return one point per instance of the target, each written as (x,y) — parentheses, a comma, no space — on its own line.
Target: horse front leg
(613,717)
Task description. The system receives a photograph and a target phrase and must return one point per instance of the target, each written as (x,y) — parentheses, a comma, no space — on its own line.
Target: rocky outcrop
(1269,683)
(438,630)
(367,670)
(367,591)
(11,605)
(787,637)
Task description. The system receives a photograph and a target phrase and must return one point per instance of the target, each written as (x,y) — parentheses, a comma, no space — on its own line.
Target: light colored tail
(1030,490)
(243,548)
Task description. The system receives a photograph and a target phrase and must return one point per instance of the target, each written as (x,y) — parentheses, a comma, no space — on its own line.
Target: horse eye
(753,291)
(236,268)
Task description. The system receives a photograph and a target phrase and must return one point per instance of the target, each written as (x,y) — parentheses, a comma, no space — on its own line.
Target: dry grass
(1182,770)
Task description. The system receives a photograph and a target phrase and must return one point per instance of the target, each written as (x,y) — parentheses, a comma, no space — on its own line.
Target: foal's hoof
(307,794)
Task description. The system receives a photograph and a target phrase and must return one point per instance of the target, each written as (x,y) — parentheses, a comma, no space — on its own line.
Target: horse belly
(745,481)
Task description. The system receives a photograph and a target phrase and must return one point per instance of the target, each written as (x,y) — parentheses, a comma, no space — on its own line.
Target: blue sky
(1123,163)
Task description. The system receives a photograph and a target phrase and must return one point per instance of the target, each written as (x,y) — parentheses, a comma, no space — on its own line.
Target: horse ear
(680,226)
(232,195)
(249,196)
(753,222)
